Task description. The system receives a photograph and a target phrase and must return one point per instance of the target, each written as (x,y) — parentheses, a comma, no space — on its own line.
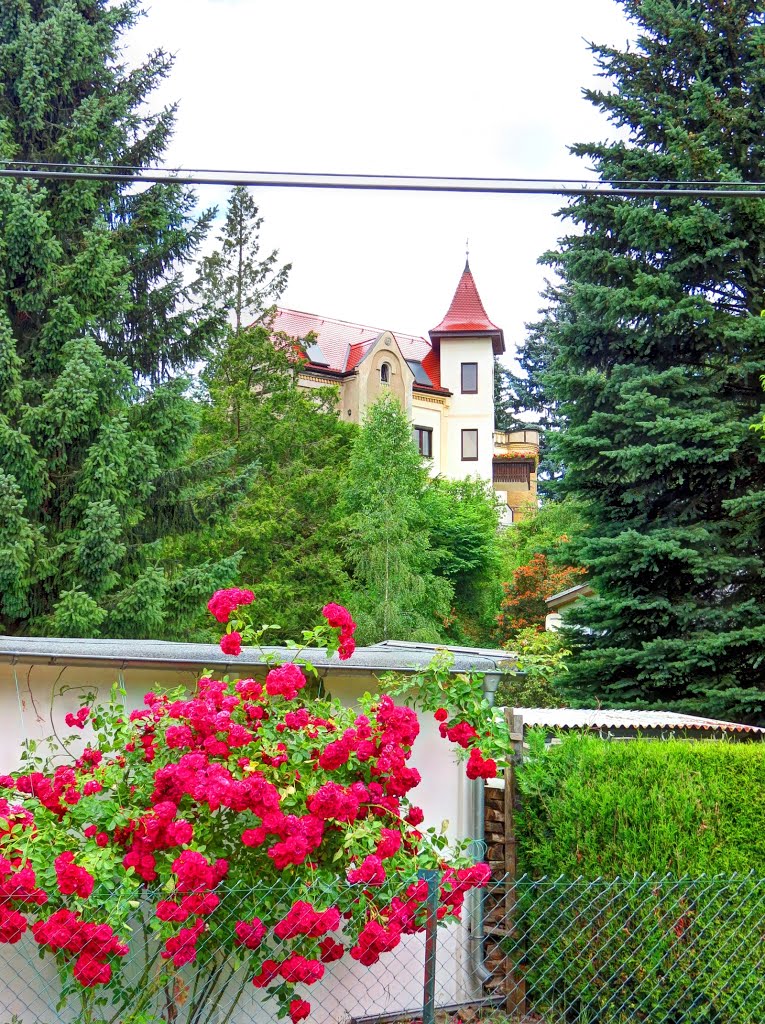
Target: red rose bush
(464,715)
(246,833)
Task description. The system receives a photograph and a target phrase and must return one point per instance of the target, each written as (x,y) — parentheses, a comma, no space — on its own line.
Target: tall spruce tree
(294,448)
(94,324)
(286,440)
(236,277)
(395,594)
(656,346)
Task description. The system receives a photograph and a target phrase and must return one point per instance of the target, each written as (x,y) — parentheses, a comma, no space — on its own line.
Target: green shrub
(661,912)
(595,808)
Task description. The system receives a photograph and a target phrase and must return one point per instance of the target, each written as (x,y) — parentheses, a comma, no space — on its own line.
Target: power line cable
(383,182)
(139,170)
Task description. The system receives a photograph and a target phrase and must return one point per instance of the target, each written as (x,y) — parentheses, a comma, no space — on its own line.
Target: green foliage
(509,399)
(596,808)
(666,940)
(547,532)
(525,602)
(234,278)
(655,347)
(395,594)
(540,661)
(288,448)
(94,321)
(525,682)
(535,553)
(463,524)
(658,950)
(282,445)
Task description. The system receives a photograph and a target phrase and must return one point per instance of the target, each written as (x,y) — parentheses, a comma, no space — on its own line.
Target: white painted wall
(29,987)
(468,411)
(35,698)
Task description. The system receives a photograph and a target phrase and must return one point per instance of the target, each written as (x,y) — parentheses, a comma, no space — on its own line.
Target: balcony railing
(512,471)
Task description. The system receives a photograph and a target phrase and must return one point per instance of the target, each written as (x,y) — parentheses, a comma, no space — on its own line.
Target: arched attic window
(385,373)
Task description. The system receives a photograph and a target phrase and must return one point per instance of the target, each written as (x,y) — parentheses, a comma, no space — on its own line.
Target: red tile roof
(343,344)
(466,314)
(431,364)
(356,353)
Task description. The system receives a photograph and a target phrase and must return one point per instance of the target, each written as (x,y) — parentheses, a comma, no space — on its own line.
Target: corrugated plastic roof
(582,718)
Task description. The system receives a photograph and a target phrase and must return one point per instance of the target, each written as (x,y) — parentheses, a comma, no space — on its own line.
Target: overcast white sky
(486,88)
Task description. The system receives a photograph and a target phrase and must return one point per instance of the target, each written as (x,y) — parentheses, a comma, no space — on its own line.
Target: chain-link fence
(658,950)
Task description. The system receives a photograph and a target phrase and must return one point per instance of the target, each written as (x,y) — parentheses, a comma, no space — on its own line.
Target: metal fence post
(433,878)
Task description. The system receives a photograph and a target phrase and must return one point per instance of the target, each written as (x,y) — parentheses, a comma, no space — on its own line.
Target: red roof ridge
(467,315)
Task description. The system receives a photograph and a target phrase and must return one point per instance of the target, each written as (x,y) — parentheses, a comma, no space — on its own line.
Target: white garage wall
(34,695)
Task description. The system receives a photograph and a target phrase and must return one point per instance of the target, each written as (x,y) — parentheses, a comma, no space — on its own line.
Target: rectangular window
(470,446)
(423,438)
(470,378)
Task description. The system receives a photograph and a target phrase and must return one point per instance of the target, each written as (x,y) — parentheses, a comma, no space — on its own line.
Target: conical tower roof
(467,317)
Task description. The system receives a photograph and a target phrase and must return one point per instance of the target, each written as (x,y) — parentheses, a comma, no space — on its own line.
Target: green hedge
(596,808)
(665,923)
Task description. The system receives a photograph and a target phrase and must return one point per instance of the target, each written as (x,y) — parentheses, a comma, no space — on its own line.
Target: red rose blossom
(299,1010)
(330,950)
(337,616)
(285,681)
(462,733)
(77,721)
(250,934)
(415,816)
(340,618)
(479,767)
(370,872)
(298,968)
(231,643)
(224,602)
(72,880)
(268,971)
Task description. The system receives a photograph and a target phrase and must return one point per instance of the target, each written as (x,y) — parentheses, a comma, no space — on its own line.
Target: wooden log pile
(499,900)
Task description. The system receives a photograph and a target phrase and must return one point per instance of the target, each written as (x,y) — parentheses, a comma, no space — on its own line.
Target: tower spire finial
(467,254)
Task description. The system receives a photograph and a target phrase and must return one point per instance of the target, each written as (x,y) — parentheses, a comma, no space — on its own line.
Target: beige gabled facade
(445,384)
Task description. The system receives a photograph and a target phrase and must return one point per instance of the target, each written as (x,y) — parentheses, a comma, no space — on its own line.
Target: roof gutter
(34,651)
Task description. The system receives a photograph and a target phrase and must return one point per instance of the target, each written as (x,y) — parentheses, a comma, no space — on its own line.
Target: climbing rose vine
(465,717)
(248,833)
